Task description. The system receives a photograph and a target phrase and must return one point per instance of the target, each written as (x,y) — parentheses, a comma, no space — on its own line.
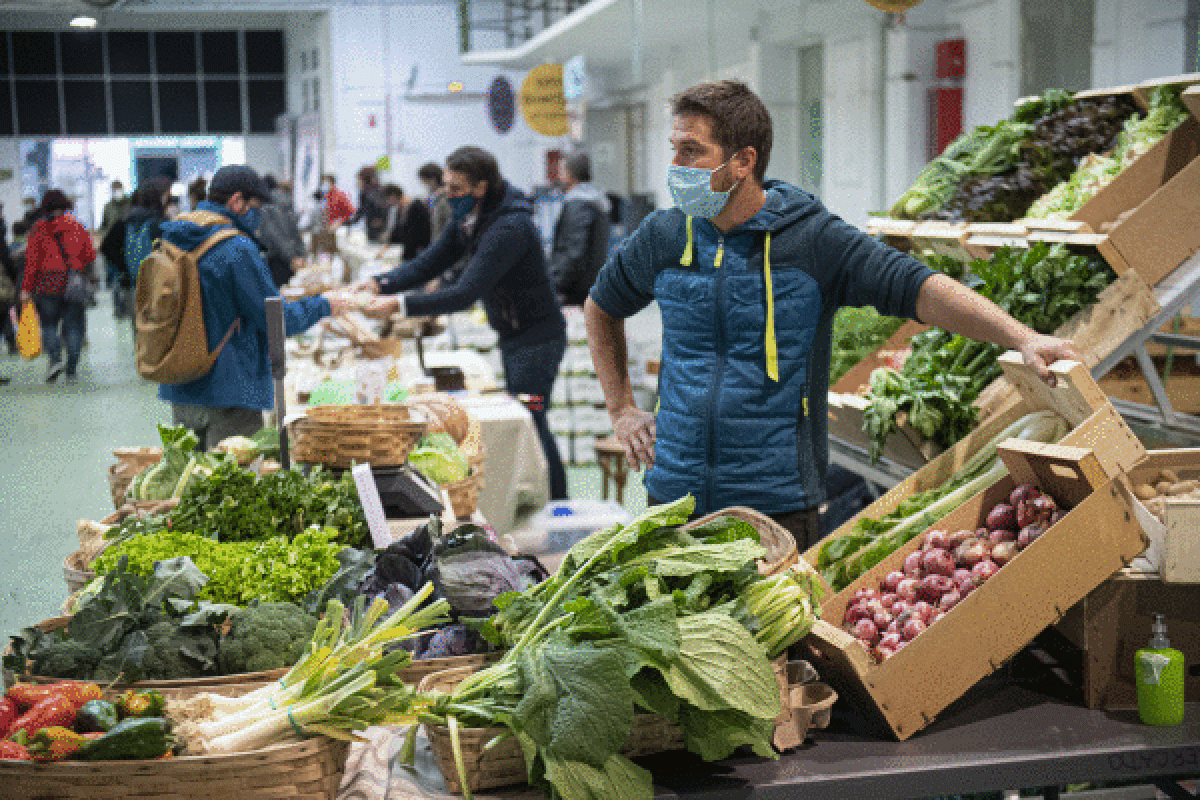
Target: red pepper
(8,715)
(53,711)
(27,695)
(11,751)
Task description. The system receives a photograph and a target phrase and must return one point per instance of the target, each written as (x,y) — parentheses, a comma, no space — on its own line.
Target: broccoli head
(176,652)
(67,658)
(264,637)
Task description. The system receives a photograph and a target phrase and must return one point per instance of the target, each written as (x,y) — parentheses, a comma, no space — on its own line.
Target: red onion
(892,581)
(1029,535)
(932,587)
(913,628)
(907,590)
(923,610)
(912,565)
(882,620)
(1004,553)
(938,616)
(958,537)
(939,540)
(971,553)
(964,581)
(1021,492)
(901,607)
(984,570)
(866,631)
(890,640)
(1002,517)
(949,600)
(884,653)
(887,600)
(937,562)
(866,594)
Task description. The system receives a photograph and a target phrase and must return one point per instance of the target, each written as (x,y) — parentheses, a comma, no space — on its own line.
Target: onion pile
(947,568)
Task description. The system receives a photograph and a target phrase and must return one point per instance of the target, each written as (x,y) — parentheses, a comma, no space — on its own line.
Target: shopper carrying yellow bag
(29,333)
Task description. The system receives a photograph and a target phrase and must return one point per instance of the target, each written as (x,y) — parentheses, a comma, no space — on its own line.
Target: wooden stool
(610,455)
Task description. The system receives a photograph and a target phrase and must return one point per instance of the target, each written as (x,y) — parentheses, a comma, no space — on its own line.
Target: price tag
(368,495)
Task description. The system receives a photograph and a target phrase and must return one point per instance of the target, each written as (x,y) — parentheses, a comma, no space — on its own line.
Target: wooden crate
(984,238)
(1191,99)
(1143,90)
(860,374)
(943,238)
(1097,537)
(1175,547)
(1113,622)
(1094,422)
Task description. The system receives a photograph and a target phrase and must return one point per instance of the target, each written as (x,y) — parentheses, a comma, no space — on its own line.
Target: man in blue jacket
(748,274)
(235,283)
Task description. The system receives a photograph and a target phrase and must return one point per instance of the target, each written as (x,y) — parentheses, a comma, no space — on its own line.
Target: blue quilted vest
(740,317)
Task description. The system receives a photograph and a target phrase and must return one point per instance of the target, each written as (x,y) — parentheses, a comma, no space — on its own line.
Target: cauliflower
(264,637)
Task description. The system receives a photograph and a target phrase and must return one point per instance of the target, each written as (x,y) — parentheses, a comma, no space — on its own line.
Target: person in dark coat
(371,206)
(506,268)
(581,234)
(408,223)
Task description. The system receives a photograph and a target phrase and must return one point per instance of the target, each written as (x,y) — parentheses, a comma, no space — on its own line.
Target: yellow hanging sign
(543,104)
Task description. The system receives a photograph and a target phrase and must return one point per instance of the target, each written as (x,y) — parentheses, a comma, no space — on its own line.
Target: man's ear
(746,161)
(481,185)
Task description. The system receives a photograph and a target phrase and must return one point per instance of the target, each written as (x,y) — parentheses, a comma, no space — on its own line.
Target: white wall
(1137,41)
(375,49)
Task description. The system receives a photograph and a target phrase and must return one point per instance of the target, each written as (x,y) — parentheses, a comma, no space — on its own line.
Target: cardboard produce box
(1143,90)
(1098,536)
(1113,622)
(1076,397)
(1174,541)
(1191,99)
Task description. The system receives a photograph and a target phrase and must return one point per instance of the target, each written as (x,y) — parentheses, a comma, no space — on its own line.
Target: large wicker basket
(416,672)
(464,494)
(308,770)
(76,573)
(503,764)
(780,544)
(130,462)
(342,436)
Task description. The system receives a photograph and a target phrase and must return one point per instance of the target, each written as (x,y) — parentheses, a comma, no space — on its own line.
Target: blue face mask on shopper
(691,189)
(460,207)
(248,220)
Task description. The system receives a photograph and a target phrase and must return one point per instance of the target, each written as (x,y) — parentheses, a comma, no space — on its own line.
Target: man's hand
(1041,351)
(26,298)
(340,303)
(383,307)
(366,285)
(635,429)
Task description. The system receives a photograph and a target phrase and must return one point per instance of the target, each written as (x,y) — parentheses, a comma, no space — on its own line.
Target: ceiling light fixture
(83,21)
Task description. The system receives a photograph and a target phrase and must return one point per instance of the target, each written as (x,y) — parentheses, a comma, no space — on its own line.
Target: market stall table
(515,469)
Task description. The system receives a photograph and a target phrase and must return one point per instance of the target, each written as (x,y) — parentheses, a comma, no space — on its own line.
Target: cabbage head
(440,465)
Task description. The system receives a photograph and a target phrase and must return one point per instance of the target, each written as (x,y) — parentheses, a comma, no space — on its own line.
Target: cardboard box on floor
(1098,536)
(1076,397)
(1113,622)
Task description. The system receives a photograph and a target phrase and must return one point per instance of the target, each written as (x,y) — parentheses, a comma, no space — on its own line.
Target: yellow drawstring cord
(689,248)
(772,349)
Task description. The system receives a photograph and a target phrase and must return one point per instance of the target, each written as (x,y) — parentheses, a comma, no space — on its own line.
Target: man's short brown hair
(739,119)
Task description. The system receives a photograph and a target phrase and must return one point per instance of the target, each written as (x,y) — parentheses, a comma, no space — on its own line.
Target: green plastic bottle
(1160,679)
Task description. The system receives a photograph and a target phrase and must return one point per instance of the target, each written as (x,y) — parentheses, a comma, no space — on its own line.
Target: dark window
(86,108)
(82,53)
(129,52)
(220,49)
(3,53)
(264,52)
(223,106)
(175,52)
(6,126)
(268,99)
(37,107)
(33,53)
(133,106)
(179,106)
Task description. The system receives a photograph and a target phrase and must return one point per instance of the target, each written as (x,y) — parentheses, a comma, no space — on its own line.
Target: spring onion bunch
(346,681)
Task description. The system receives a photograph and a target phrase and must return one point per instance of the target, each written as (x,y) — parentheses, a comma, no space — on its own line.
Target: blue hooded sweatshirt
(747,328)
(235,282)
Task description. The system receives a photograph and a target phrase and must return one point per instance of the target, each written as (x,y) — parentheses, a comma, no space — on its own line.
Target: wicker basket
(76,572)
(464,494)
(504,763)
(130,462)
(780,544)
(309,770)
(416,672)
(342,436)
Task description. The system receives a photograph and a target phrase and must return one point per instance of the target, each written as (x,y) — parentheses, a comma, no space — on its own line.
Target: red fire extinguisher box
(951,58)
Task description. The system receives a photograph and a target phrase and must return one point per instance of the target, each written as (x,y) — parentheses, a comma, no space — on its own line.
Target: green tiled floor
(56,444)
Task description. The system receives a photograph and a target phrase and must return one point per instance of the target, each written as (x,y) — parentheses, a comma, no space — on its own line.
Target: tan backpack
(172,343)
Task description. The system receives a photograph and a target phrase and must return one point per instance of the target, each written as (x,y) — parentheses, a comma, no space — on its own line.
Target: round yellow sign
(543,104)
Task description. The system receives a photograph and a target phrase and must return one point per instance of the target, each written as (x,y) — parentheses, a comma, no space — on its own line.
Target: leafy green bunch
(644,618)
(1043,286)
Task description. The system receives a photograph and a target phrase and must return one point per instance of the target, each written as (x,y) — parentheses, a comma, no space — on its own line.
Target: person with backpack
(59,246)
(130,240)
(208,348)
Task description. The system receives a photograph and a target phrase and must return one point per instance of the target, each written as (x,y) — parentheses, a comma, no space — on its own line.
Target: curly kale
(265,637)
(67,658)
(176,652)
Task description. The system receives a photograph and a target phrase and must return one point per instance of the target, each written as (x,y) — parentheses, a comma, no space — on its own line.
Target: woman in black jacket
(506,269)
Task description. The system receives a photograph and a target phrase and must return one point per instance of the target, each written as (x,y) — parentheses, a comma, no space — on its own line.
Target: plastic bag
(29,333)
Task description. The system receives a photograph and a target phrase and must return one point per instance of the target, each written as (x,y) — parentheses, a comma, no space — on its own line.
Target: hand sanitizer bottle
(1159,679)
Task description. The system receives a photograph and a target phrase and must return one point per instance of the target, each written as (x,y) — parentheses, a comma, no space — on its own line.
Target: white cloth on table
(515,469)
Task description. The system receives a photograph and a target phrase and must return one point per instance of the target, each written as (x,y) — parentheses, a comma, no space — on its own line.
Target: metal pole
(276,337)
